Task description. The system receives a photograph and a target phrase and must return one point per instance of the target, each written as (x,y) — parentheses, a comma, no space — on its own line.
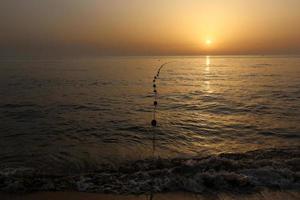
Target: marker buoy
(154,122)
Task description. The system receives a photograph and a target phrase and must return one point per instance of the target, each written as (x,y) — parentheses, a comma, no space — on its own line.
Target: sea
(223,122)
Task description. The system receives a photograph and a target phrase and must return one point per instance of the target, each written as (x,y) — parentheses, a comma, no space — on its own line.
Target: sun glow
(208,42)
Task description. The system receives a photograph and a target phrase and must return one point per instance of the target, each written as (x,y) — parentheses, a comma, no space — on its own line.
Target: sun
(208,42)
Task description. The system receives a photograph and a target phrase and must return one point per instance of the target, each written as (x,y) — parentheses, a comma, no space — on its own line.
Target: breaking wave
(236,172)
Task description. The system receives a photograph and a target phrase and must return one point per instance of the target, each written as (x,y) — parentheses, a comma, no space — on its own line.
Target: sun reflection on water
(207,74)
(207,63)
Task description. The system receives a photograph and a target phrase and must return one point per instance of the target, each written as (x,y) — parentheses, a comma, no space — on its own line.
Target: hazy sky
(149,27)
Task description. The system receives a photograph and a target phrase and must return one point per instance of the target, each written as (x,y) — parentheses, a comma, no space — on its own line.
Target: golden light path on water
(207,72)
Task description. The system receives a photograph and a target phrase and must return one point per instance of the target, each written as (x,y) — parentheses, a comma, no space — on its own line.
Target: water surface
(74,115)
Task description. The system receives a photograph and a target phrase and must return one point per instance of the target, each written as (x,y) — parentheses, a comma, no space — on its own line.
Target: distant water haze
(142,27)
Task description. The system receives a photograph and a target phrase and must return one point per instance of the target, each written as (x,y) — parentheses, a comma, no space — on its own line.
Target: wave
(236,172)
(17,105)
(262,65)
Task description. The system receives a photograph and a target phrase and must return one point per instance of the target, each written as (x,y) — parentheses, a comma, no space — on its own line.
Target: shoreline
(238,172)
(262,195)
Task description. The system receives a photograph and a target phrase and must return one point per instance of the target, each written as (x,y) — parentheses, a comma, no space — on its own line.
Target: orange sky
(149,27)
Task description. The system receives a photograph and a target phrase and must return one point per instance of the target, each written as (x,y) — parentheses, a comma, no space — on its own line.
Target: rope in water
(154,119)
(155,103)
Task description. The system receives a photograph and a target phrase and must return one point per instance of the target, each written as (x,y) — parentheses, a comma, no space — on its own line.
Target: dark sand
(264,195)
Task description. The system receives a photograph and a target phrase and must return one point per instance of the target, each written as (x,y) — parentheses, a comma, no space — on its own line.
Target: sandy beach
(264,195)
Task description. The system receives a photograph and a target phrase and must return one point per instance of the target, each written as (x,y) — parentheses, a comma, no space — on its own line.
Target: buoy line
(154,119)
(155,91)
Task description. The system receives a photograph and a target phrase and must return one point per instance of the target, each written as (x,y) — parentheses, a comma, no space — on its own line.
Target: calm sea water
(78,114)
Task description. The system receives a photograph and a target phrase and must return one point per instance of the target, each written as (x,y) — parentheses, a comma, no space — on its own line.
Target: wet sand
(264,195)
